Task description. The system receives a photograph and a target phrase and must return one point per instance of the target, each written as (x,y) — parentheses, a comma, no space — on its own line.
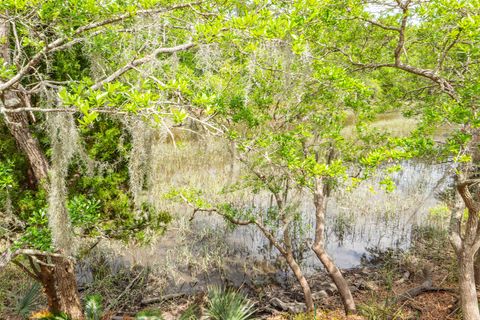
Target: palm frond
(27,303)
(228,304)
(93,307)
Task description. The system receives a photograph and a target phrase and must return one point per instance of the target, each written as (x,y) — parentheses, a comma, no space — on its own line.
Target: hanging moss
(65,143)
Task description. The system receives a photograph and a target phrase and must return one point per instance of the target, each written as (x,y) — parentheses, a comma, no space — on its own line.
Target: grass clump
(228,304)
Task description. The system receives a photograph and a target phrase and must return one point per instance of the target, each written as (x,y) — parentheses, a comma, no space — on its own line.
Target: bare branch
(18,47)
(128,15)
(271,238)
(99,110)
(26,270)
(137,62)
(444,84)
(401,36)
(227,217)
(444,53)
(380,25)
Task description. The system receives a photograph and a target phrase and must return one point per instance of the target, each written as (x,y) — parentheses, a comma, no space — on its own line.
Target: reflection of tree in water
(343,225)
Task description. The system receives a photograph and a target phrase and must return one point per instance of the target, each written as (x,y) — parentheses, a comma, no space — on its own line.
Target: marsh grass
(365,216)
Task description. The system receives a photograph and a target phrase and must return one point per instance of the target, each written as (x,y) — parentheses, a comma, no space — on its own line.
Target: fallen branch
(425,287)
(164,298)
(414,292)
(127,289)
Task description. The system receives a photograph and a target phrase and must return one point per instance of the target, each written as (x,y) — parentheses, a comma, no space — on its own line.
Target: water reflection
(366,217)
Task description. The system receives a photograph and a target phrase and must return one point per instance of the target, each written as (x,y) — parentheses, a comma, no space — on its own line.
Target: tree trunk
(60,284)
(338,279)
(307,292)
(17,124)
(320,202)
(66,284)
(287,253)
(466,247)
(468,292)
(477,269)
(60,287)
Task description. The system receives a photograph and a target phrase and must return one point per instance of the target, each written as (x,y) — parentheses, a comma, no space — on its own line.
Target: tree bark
(307,292)
(60,287)
(477,269)
(466,247)
(320,202)
(17,124)
(468,292)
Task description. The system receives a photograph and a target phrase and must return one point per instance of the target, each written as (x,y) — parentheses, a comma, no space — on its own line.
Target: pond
(193,254)
(364,218)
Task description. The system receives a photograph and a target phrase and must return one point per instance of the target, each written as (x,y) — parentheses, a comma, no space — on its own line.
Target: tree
(426,55)
(48,67)
(299,123)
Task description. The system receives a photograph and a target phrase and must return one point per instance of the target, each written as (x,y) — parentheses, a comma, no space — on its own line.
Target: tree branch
(401,36)
(271,238)
(63,42)
(455,226)
(378,24)
(444,53)
(466,196)
(445,84)
(9,255)
(137,62)
(26,270)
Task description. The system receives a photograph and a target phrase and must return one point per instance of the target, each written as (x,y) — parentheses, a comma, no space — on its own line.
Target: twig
(124,292)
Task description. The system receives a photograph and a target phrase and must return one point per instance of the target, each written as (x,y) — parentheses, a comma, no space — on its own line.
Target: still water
(366,217)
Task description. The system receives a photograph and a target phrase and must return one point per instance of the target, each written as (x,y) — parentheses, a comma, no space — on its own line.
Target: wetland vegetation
(163,159)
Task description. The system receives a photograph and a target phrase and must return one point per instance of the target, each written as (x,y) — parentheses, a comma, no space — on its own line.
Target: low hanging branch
(269,235)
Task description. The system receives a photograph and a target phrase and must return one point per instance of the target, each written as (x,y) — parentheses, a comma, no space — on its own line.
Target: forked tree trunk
(320,202)
(60,284)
